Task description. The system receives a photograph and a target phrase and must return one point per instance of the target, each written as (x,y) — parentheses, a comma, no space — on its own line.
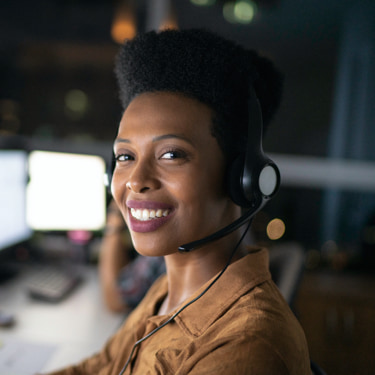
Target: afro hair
(202,65)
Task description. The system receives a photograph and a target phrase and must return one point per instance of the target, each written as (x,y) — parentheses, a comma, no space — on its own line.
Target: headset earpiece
(235,174)
(253,178)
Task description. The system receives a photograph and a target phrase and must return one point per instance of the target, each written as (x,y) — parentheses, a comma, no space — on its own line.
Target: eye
(124,157)
(174,154)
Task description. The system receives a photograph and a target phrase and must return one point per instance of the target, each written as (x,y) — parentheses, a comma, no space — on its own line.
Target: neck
(188,272)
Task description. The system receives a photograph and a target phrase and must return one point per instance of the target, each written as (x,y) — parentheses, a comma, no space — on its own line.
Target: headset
(252,179)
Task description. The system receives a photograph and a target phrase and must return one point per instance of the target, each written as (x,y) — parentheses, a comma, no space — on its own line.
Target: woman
(216,311)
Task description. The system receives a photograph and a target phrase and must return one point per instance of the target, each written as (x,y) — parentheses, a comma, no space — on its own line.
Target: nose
(142,177)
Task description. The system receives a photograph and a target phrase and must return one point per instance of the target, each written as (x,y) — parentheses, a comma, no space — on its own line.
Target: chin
(150,246)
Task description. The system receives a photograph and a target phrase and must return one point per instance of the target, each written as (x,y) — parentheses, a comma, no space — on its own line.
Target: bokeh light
(275,229)
(240,11)
(76,103)
(244,11)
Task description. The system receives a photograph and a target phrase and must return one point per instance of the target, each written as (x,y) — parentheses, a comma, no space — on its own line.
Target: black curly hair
(202,65)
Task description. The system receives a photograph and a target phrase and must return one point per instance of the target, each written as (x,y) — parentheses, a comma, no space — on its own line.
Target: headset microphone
(223,232)
(253,179)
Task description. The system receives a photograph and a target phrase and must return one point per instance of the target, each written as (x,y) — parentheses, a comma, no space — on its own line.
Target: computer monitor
(66,192)
(13,180)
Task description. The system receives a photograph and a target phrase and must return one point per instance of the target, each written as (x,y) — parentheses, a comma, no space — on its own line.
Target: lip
(149,225)
(152,205)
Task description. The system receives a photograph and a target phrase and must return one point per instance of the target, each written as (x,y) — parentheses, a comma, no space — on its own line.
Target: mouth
(145,214)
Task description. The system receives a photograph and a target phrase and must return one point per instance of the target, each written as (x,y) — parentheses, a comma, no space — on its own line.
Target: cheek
(114,185)
(201,191)
(117,188)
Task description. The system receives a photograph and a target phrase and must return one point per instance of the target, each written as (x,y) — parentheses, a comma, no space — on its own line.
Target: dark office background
(57,91)
(57,84)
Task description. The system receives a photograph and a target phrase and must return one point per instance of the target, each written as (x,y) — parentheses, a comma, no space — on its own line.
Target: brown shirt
(242,325)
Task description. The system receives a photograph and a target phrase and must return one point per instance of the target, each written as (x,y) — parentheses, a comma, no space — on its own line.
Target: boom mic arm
(224,231)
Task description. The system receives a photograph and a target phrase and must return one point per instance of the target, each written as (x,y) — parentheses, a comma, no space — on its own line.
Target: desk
(75,328)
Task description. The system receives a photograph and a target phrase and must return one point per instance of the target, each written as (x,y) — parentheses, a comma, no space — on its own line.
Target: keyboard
(52,284)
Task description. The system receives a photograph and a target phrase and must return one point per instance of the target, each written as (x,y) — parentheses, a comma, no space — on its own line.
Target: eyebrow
(172,136)
(158,138)
(121,140)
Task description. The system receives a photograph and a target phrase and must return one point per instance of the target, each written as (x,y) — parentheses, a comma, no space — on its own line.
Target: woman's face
(169,175)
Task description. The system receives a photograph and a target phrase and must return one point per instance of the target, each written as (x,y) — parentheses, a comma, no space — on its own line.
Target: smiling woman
(186,98)
(170,163)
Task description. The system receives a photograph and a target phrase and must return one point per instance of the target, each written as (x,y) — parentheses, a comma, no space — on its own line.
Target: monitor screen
(13,180)
(66,191)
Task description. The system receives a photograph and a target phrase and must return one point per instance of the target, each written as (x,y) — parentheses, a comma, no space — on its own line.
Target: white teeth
(146,214)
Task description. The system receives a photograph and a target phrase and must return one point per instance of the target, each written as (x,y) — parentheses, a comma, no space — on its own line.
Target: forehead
(164,111)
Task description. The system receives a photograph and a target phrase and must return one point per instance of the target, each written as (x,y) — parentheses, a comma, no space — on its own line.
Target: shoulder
(263,313)
(269,332)
(259,331)
(245,351)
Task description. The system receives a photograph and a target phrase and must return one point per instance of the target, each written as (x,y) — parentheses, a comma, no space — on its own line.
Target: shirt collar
(240,277)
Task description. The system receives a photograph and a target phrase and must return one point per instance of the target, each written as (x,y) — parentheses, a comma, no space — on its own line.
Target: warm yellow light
(124,22)
(275,229)
(170,22)
(123,29)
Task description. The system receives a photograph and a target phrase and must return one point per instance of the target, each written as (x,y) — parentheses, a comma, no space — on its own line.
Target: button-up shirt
(241,325)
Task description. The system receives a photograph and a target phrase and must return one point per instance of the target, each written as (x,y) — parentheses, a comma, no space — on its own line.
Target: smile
(146,214)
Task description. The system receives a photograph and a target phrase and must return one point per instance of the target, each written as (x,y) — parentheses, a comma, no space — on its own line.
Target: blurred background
(58,93)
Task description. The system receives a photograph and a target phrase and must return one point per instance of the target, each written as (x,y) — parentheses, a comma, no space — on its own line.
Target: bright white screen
(13,179)
(66,191)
